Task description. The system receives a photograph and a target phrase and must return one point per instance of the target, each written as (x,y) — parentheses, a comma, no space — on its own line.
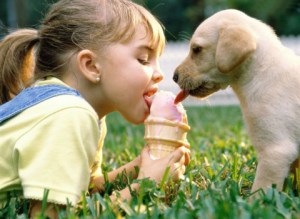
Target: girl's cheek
(149,71)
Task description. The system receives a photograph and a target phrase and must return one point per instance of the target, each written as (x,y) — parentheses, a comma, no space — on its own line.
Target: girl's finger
(187,158)
(178,171)
(177,155)
(146,148)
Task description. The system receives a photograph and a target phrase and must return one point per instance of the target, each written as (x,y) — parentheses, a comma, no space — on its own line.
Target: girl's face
(129,76)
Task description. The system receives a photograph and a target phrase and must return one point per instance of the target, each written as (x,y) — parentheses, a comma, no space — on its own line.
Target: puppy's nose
(175,77)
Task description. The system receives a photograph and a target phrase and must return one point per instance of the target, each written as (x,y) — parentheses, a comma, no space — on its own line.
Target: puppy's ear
(235,44)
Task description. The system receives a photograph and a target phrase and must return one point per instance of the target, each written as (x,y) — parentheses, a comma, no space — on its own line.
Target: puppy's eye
(196,49)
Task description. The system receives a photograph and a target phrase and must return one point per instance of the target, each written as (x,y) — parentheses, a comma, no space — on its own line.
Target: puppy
(233,49)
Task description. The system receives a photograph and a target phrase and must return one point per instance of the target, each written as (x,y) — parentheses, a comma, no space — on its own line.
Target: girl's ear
(89,65)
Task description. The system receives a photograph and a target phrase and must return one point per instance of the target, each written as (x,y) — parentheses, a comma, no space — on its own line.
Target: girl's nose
(157,76)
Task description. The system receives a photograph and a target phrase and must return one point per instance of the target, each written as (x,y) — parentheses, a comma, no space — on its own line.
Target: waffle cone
(164,136)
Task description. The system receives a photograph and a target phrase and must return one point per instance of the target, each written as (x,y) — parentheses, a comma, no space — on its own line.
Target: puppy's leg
(268,174)
(274,165)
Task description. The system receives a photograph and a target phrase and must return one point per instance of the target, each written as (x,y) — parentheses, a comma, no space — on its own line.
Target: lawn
(217,182)
(218,179)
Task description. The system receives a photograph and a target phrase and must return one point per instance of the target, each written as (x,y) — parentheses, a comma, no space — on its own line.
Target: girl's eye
(143,61)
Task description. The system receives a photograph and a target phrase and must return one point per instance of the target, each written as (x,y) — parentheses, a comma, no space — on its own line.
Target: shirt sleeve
(56,154)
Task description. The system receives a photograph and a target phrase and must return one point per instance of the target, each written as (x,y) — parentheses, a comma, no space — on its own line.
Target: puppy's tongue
(181,96)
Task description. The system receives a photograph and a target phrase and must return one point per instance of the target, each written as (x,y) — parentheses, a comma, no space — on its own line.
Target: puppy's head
(218,48)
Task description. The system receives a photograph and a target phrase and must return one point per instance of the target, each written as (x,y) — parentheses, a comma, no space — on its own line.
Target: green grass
(217,182)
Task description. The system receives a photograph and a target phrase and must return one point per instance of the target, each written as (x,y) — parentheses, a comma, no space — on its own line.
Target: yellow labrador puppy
(233,49)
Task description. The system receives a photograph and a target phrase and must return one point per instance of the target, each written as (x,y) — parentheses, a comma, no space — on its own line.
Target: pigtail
(17,62)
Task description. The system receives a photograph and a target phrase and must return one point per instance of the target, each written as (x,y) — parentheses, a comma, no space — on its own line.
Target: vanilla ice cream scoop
(163,106)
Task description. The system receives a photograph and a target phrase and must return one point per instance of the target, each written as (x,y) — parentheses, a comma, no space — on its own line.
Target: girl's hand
(155,169)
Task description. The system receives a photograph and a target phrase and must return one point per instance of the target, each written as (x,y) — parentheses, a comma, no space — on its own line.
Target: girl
(90,58)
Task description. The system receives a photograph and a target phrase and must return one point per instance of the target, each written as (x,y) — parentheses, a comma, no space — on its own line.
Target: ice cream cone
(164,136)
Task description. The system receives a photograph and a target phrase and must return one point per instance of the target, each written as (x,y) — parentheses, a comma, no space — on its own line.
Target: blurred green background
(180,17)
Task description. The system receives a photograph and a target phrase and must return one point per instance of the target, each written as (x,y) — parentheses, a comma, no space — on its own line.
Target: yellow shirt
(53,146)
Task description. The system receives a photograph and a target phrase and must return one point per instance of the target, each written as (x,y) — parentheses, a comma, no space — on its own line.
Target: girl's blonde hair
(72,25)
(16,62)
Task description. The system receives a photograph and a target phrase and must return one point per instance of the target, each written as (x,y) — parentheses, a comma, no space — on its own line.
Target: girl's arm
(148,168)
(130,168)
